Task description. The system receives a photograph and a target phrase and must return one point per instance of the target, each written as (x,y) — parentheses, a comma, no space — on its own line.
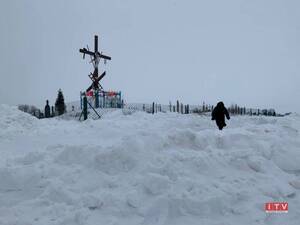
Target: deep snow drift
(163,169)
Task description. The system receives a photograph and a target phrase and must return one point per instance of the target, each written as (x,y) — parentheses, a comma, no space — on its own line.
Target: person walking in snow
(218,114)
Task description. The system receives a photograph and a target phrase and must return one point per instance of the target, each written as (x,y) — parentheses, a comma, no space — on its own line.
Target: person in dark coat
(219,113)
(47,110)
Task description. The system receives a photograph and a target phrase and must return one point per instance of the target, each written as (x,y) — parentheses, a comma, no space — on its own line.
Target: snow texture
(162,169)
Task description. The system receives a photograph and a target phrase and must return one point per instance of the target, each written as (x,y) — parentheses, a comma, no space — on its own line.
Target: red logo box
(276,207)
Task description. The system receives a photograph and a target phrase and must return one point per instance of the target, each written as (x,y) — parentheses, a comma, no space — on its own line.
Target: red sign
(276,207)
(111,93)
(89,93)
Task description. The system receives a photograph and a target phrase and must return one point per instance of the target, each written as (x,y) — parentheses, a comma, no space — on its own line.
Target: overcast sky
(238,51)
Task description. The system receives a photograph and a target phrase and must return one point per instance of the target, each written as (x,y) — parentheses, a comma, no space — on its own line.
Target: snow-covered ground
(162,169)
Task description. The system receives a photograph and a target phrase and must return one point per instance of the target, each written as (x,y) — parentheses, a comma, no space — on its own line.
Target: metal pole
(153,108)
(85,108)
(80,100)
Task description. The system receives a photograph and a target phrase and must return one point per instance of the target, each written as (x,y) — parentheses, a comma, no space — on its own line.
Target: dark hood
(220,105)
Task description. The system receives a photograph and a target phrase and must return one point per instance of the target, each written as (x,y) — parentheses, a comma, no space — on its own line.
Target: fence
(199,109)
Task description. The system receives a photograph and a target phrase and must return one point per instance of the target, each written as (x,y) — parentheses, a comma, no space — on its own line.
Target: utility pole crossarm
(85,51)
(95,59)
(103,56)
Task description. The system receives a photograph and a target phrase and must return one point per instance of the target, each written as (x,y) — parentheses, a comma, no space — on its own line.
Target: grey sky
(244,52)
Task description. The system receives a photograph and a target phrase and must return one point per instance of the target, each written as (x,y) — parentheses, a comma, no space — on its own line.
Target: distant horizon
(69,103)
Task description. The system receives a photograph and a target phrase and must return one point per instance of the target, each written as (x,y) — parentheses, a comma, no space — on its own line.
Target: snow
(147,169)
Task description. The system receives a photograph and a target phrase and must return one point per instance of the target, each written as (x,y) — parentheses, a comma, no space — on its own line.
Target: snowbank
(147,169)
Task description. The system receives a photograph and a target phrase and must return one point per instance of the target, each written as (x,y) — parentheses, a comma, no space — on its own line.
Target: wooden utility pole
(96,56)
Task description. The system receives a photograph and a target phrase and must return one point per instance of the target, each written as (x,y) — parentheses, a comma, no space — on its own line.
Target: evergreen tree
(60,106)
